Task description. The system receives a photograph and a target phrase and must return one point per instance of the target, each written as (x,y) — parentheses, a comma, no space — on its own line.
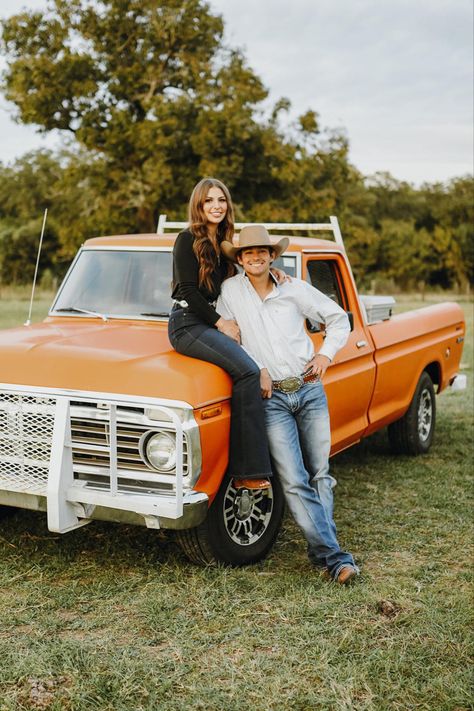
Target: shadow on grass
(109,545)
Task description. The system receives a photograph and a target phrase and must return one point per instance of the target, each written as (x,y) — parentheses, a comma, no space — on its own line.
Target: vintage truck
(101,420)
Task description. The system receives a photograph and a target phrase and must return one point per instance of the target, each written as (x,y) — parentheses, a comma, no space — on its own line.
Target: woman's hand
(265,383)
(280,275)
(229,328)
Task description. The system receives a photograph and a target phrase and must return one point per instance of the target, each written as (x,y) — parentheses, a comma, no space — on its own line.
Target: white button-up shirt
(272,330)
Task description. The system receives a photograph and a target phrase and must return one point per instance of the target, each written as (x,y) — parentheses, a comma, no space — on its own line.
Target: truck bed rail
(331,226)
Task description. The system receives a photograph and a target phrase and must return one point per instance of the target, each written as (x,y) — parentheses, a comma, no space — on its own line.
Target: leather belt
(294,382)
(183,304)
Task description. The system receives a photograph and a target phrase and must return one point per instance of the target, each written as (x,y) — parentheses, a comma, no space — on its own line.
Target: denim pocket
(183,324)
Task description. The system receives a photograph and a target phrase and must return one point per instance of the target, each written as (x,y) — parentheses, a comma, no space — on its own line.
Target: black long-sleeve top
(186,279)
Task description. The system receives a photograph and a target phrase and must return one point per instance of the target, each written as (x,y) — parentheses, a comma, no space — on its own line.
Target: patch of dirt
(40,693)
(69,615)
(388,608)
(17,630)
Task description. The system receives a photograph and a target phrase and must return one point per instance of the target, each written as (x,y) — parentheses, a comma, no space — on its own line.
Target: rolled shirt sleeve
(321,308)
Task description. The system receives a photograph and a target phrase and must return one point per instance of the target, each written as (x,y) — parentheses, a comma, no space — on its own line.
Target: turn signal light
(211,412)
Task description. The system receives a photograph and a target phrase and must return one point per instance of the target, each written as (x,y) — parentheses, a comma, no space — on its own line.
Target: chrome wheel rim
(247,513)
(425,415)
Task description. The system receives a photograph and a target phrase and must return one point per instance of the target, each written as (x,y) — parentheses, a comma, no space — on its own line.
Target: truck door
(350,379)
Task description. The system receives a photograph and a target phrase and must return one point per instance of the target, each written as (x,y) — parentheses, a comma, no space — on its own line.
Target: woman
(196,329)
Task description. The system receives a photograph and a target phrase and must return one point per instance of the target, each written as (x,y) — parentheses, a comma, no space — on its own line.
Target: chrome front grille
(90,435)
(26,434)
(26,437)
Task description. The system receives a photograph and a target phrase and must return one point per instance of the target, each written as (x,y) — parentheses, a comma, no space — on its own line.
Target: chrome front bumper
(195,506)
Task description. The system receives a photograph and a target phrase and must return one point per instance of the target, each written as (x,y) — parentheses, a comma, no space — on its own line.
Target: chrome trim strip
(124,248)
(91,396)
(123,474)
(112,317)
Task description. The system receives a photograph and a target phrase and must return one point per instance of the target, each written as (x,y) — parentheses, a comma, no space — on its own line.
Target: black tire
(240,528)
(413,433)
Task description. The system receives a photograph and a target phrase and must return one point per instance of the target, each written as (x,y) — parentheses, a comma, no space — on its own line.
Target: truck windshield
(121,283)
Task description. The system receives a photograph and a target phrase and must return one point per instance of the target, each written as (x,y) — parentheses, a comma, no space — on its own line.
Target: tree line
(151,100)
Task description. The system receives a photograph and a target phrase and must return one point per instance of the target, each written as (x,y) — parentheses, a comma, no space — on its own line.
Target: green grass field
(114,618)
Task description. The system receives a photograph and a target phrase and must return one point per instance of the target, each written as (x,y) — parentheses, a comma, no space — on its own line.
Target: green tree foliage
(151,101)
(425,235)
(26,190)
(145,86)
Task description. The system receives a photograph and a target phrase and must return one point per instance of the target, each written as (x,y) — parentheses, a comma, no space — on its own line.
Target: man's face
(255,260)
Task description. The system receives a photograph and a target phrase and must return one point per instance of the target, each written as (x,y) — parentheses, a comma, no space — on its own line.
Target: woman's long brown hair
(203,247)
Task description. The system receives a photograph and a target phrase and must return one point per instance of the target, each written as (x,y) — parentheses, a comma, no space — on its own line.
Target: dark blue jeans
(248,448)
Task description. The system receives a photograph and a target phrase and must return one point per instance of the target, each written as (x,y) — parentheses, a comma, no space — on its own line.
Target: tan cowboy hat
(253,236)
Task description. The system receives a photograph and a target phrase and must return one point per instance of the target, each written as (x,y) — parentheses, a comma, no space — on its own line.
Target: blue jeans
(299,437)
(248,446)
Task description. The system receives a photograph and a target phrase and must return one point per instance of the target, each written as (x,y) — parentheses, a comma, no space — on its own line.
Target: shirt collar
(249,285)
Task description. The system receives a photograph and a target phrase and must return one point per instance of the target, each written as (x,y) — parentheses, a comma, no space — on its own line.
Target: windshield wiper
(153,313)
(75,310)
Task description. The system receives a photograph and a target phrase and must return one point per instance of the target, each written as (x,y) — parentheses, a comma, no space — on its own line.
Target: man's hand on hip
(265,383)
(318,365)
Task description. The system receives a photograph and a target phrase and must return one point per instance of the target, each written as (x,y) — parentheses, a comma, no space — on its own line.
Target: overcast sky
(396,75)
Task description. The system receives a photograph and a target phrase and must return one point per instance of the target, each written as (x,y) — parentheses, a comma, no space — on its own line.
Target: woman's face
(215,206)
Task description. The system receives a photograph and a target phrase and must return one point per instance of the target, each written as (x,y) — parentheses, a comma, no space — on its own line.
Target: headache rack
(373,308)
(331,226)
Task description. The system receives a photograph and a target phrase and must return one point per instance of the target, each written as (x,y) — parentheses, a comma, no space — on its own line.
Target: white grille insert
(26,433)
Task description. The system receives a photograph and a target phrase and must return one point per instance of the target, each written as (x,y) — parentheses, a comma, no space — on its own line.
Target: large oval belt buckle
(291,385)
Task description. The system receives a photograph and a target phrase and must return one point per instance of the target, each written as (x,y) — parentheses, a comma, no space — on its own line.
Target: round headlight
(160,451)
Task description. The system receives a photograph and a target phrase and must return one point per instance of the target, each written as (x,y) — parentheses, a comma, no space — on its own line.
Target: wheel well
(434,371)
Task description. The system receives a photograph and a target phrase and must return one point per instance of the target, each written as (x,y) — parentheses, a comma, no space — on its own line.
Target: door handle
(361,344)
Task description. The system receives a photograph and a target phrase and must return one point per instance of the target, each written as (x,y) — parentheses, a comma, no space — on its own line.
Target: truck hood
(117,357)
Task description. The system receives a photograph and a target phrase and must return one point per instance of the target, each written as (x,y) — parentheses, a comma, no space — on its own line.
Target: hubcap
(247,513)
(425,415)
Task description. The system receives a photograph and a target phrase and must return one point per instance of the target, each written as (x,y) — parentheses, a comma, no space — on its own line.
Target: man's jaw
(257,272)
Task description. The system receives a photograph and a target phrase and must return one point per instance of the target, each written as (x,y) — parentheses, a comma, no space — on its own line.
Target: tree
(152,100)
(32,184)
(145,86)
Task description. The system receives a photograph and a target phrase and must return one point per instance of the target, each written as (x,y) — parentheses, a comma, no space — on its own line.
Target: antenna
(28,320)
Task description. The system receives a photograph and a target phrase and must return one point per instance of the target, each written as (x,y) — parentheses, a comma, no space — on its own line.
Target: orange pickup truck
(101,420)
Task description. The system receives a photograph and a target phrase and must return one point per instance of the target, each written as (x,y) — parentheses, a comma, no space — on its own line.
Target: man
(271,318)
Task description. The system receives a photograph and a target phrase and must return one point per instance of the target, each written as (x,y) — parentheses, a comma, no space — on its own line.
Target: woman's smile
(215,206)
